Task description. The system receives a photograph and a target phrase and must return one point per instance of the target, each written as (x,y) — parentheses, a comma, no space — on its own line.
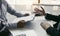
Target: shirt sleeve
(11,25)
(12,11)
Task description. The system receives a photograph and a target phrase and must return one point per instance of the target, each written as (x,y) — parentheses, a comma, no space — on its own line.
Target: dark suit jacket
(53,31)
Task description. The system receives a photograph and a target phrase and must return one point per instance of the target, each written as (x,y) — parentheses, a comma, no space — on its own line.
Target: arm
(19,24)
(50,30)
(52,17)
(11,25)
(53,32)
(12,11)
(47,16)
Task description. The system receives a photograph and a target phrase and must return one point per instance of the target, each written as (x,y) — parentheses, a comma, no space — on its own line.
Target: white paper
(24,33)
(26,19)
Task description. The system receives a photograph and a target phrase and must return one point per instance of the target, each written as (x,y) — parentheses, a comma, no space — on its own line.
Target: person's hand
(39,11)
(26,14)
(20,24)
(45,25)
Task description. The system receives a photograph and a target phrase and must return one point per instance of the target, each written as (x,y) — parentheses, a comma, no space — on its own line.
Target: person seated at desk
(4,8)
(52,31)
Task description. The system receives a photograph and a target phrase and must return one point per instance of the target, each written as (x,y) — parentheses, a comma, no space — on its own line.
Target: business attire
(55,30)
(4,31)
(4,8)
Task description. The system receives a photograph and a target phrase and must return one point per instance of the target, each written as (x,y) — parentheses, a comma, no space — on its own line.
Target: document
(24,33)
(26,18)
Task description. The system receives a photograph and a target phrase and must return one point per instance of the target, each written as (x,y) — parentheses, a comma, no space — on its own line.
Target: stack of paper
(26,19)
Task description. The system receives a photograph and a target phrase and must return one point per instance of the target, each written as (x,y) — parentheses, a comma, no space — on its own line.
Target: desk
(25,32)
(35,25)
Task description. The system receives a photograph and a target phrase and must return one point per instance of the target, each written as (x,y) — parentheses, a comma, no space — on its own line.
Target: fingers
(22,21)
(26,14)
(36,9)
(43,10)
(20,24)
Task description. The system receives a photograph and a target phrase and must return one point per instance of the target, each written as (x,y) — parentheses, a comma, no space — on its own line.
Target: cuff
(49,30)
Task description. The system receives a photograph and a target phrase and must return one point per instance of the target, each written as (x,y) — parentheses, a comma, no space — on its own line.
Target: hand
(45,25)
(20,24)
(38,11)
(26,14)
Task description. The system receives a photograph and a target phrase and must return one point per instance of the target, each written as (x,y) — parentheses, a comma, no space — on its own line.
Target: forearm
(52,17)
(15,25)
(11,25)
(12,11)
(53,32)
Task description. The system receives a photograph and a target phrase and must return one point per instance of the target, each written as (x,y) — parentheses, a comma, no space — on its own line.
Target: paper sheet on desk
(24,33)
(27,18)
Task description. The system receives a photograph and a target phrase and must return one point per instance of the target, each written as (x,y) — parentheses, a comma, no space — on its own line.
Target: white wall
(50,1)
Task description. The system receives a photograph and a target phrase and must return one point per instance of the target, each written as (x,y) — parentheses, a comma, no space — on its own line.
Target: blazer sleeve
(52,17)
(53,31)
